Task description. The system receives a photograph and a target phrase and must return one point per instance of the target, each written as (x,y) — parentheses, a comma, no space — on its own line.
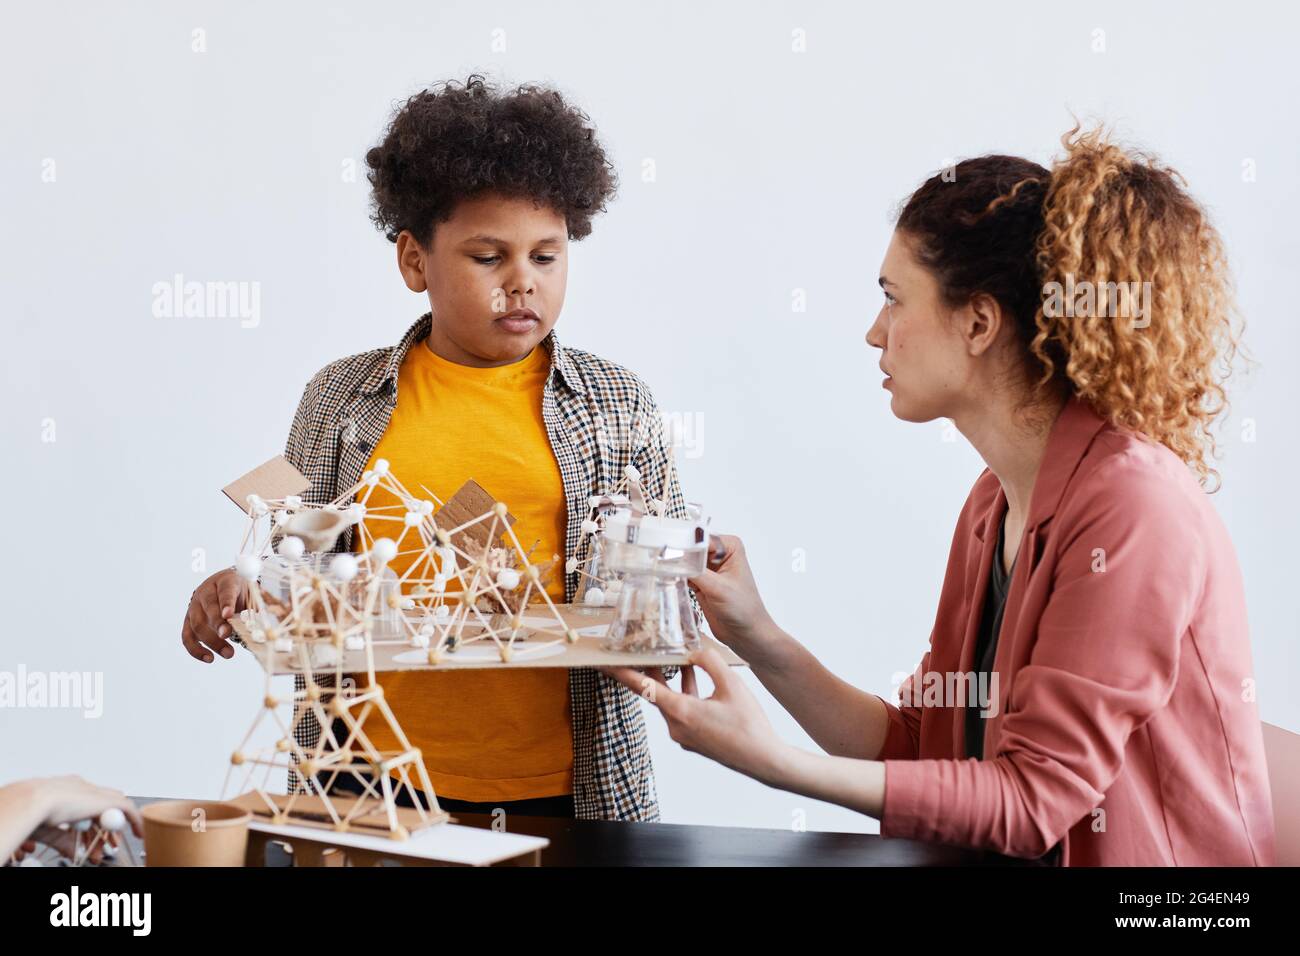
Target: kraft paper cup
(176,835)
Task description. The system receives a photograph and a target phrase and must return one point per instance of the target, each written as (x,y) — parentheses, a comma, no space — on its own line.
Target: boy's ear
(410,261)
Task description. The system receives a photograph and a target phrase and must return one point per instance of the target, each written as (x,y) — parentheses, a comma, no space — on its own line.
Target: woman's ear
(982,321)
(410,261)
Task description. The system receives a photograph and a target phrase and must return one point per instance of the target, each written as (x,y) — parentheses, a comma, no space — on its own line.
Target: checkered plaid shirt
(600,418)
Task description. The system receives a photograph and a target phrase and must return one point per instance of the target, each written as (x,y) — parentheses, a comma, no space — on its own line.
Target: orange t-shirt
(485,734)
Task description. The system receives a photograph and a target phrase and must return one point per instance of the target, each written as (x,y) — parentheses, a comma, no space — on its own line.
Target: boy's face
(495,273)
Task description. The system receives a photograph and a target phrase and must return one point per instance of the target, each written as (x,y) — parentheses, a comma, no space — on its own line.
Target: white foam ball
(113,819)
(383,550)
(291,547)
(283,645)
(420,638)
(441,612)
(343,567)
(293,502)
(354,642)
(593,597)
(248,566)
(81,826)
(381,466)
(571,565)
(256,505)
(508,578)
(408,604)
(426,507)
(589,526)
(281,517)
(357,511)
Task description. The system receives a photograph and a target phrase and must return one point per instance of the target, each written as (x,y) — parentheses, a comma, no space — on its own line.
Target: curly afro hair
(456,141)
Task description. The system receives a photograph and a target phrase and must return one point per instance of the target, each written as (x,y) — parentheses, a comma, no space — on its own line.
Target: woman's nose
(876,334)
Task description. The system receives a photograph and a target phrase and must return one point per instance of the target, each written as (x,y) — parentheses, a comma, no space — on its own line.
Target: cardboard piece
(271,479)
(444,845)
(586,652)
(469,502)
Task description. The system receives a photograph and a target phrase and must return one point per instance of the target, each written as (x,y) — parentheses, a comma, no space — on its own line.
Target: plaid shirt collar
(561,361)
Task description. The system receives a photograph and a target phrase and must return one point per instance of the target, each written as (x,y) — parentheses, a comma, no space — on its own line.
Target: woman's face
(923,352)
(494,258)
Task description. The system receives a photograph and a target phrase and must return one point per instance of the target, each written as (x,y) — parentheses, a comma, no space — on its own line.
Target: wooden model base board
(528,649)
(309,811)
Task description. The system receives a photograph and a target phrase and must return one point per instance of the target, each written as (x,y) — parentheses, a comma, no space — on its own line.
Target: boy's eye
(545,257)
(486,260)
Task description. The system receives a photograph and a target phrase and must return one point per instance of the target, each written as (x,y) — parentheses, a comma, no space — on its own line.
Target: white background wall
(776,171)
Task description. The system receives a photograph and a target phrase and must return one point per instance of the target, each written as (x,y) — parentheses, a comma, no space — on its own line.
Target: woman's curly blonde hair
(1045,242)
(1110,217)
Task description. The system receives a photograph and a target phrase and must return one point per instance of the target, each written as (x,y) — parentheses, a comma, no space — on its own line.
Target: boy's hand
(207,622)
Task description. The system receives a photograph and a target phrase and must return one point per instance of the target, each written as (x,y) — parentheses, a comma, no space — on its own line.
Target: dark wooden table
(604,843)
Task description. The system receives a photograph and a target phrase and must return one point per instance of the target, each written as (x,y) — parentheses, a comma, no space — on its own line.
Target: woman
(1083,695)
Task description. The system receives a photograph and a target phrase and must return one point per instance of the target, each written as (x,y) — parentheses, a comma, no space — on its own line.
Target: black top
(986,644)
(986,648)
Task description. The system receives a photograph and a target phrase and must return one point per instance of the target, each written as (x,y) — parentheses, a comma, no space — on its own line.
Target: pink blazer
(1125,724)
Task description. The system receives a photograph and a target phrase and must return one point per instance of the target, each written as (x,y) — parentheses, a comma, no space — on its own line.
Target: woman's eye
(890,299)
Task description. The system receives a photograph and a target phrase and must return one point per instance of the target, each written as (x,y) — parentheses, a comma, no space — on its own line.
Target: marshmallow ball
(248,566)
(291,547)
(589,526)
(113,819)
(281,517)
(426,507)
(441,612)
(413,518)
(355,642)
(420,639)
(571,565)
(593,597)
(508,578)
(631,473)
(343,567)
(293,502)
(383,550)
(440,582)
(283,645)
(381,466)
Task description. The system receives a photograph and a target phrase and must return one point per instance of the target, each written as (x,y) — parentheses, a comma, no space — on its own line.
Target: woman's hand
(206,627)
(730,601)
(34,809)
(729,727)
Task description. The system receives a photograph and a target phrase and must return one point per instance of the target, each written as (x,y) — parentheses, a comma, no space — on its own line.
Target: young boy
(482,191)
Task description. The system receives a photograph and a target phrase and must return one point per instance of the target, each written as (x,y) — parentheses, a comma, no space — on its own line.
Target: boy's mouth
(519,321)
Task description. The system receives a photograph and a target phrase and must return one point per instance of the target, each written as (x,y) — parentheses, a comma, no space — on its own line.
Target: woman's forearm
(847,782)
(843,720)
